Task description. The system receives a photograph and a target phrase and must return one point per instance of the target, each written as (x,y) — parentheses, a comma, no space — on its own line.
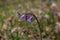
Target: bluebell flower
(30,19)
(25,16)
(22,16)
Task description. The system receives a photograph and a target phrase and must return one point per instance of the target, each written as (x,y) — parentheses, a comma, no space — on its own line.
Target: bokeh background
(47,12)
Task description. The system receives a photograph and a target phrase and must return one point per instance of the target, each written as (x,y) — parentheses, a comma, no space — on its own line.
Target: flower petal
(22,16)
(30,19)
(26,17)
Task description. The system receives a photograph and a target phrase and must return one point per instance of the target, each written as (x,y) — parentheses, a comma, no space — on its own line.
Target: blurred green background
(12,28)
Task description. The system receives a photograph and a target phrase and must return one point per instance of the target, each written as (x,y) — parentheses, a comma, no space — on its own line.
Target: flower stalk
(30,19)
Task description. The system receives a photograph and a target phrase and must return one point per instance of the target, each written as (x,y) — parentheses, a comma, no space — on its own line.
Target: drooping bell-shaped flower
(22,16)
(30,19)
(25,16)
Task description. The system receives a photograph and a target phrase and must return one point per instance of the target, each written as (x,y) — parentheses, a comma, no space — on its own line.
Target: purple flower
(30,19)
(26,17)
(22,16)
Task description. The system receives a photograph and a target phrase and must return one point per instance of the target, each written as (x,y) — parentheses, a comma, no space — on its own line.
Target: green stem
(38,24)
